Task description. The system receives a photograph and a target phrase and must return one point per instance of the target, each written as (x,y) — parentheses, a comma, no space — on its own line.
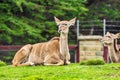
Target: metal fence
(97,27)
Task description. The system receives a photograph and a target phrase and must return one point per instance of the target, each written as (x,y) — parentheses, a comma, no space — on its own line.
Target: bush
(82,62)
(2,63)
(93,62)
(33,77)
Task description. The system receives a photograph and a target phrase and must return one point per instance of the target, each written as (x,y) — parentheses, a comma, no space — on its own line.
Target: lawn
(69,72)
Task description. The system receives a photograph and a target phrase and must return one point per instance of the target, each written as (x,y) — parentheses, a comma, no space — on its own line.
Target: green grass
(68,72)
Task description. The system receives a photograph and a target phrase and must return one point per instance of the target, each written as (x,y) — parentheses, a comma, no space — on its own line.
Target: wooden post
(76,49)
(105,54)
(77,54)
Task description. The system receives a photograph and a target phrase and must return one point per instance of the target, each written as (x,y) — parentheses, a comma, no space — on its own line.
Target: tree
(103,9)
(31,21)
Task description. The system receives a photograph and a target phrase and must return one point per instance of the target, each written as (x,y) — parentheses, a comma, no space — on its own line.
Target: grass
(69,72)
(2,63)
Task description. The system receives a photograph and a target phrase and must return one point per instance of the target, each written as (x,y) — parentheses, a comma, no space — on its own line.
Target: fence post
(105,54)
(78,22)
(104,26)
(78,34)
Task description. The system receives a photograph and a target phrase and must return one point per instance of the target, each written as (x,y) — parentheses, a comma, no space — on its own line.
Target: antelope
(110,40)
(53,52)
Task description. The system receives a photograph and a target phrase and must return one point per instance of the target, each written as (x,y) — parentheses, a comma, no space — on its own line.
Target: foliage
(31,21)
(2,63)
(92,62)
(7,56)
(68,72)
(103,9)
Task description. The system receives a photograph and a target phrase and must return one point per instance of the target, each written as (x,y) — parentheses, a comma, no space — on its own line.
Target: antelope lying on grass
(110,40)
(53,52)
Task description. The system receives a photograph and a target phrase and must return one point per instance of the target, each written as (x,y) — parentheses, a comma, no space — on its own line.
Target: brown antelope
(110,40)
(53,52)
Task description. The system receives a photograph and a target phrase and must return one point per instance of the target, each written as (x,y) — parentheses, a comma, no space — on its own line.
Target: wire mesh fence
(97,27)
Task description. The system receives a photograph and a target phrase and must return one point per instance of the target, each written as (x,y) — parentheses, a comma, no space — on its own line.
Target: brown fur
(47,53)
(53,52)
(22,54)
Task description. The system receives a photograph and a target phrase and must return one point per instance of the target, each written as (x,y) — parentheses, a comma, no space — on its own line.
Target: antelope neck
(113,50)
(63,43)
(115,45)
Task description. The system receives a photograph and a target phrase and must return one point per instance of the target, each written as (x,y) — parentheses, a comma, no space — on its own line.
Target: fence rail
(7,52)
(10,47)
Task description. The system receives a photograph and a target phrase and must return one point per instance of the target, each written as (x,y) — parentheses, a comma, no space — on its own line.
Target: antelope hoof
(32,64)
(67,62)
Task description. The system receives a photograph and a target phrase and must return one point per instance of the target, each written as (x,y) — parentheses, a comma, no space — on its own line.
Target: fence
(7,52)
(94,27)
(97,27)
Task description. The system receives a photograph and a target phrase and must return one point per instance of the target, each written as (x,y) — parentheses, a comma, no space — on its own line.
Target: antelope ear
(57,20)
(72,21)
(108,33)
(114,36)
(118,35)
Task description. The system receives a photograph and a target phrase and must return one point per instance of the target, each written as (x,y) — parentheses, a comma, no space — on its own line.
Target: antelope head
(63,26)
(108,39)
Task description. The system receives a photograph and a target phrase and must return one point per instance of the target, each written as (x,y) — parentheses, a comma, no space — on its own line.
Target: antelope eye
(65,24)
(108,36)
